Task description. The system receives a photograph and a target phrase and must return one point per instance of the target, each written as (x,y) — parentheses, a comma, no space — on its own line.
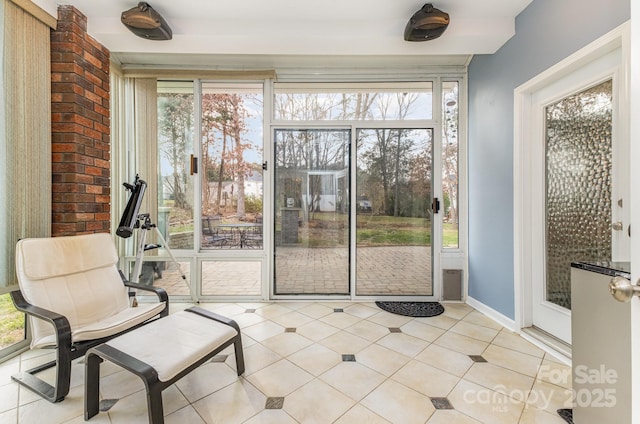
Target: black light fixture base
(426,24)
(145,22)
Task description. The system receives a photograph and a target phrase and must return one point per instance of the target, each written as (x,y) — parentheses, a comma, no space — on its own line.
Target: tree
(389,156)
(215,117)
(450,154)
(420,177)
(237,127)
(386,156)
(224,126)
(175,132)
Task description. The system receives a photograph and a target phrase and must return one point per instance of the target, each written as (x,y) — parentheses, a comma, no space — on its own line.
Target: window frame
(450,258)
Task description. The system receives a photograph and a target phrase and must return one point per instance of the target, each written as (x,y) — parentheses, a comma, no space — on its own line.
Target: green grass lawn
(378,230)
(450,235)
(11,322)
(381,230)
(372,230)
(386,236)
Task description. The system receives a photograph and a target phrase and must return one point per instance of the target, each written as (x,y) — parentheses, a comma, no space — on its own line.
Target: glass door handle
(622,290)
(435,205)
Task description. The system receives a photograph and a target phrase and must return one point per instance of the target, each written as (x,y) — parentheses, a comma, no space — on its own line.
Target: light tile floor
(307,362)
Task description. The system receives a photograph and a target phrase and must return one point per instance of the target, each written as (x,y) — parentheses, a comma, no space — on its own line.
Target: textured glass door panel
(578,186)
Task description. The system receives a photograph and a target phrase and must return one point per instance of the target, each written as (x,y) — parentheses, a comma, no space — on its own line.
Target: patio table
(241,227)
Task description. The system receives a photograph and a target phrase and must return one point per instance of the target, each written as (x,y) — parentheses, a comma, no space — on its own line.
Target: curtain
(25,131)
(146,140)
(134,146)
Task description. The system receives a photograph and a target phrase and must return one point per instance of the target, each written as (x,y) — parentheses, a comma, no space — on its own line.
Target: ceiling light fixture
(426,24)
(145,22)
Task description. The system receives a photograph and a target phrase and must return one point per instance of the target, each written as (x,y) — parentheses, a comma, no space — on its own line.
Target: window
(450,157)
(354,168)
(231,165)
(332,102)
(12,323)
(388,127)
(175,145)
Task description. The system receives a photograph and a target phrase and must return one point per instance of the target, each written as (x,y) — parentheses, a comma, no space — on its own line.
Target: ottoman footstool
(161,353)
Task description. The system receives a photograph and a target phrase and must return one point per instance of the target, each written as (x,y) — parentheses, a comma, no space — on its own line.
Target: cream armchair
(75,298)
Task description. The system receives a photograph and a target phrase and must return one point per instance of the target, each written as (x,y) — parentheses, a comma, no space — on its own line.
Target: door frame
(436,221)
(436,224)
(634,134)
(199,256)
(527,229)
(270,203)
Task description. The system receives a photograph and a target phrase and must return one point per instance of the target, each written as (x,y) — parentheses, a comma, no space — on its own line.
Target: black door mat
(566,414)
(412,309)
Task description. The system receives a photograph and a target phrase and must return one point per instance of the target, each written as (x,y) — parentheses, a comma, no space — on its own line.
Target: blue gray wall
(547,31)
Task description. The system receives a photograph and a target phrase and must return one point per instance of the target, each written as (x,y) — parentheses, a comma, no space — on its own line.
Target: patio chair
(253,236)
(212,234)
(75,298)
(208,223)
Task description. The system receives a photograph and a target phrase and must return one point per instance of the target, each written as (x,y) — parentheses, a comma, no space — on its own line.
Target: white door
(612,358)
(570,183)
(634,134)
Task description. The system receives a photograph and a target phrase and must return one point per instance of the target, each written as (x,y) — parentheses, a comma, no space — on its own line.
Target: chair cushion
(109,326)
(77,277)
(58,256)
(173,343)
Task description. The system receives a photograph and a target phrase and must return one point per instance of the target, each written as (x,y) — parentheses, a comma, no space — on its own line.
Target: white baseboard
(510,324)
(504,321)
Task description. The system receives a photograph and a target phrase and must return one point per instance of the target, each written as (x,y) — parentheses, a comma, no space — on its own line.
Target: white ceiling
(288,28)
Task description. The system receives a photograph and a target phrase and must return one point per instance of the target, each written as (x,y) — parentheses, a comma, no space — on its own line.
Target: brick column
(80,128)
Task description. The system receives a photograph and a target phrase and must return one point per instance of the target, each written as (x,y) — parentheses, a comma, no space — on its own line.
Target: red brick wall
(80,128)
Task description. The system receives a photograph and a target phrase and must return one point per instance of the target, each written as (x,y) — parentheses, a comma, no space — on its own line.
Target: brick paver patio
(393,270)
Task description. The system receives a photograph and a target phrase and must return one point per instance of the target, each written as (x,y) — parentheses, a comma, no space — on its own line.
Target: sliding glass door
(311,210)
(394,221)
(392,207)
